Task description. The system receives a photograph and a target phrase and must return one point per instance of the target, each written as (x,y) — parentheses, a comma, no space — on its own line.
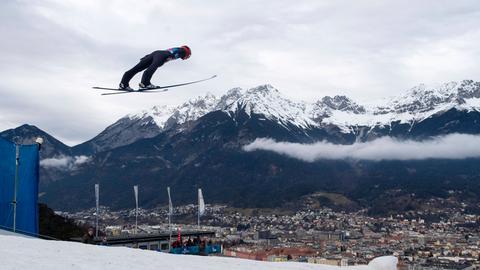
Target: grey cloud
(64,162)
(454,146)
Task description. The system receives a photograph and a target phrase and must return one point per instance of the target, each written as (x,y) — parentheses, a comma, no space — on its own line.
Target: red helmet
(188,52)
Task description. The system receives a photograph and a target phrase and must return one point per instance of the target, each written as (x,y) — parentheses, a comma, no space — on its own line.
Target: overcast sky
(53,51)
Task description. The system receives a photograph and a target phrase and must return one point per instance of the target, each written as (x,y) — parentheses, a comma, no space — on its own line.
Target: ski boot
(125,87)
(147,86)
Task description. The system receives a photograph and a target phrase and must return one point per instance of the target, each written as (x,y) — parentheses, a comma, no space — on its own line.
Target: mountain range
(200,144)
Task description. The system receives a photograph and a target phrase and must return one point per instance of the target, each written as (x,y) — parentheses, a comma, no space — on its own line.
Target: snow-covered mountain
(267,101)
(417,104)
(148,124)
(338,112)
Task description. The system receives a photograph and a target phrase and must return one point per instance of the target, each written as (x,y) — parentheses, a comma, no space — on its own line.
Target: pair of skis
(148,90)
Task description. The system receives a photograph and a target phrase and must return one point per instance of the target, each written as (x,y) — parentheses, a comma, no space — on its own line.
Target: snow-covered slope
(191,110)
(165,117)
(268,101)
(157,115)
(25,253)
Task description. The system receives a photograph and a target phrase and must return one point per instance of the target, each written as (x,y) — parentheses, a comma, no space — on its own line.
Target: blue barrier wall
(26,187)
(196,250)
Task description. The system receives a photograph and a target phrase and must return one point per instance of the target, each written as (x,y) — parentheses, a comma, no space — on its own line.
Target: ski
(142,90)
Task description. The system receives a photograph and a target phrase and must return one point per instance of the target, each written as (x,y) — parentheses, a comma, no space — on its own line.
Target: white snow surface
(27,253)
(159,114)
(268,101)
(415,105)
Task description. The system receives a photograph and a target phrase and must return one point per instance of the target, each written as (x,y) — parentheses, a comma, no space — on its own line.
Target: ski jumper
(151,62)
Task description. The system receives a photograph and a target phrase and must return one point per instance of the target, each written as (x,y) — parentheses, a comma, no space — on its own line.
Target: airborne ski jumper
(150,63)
